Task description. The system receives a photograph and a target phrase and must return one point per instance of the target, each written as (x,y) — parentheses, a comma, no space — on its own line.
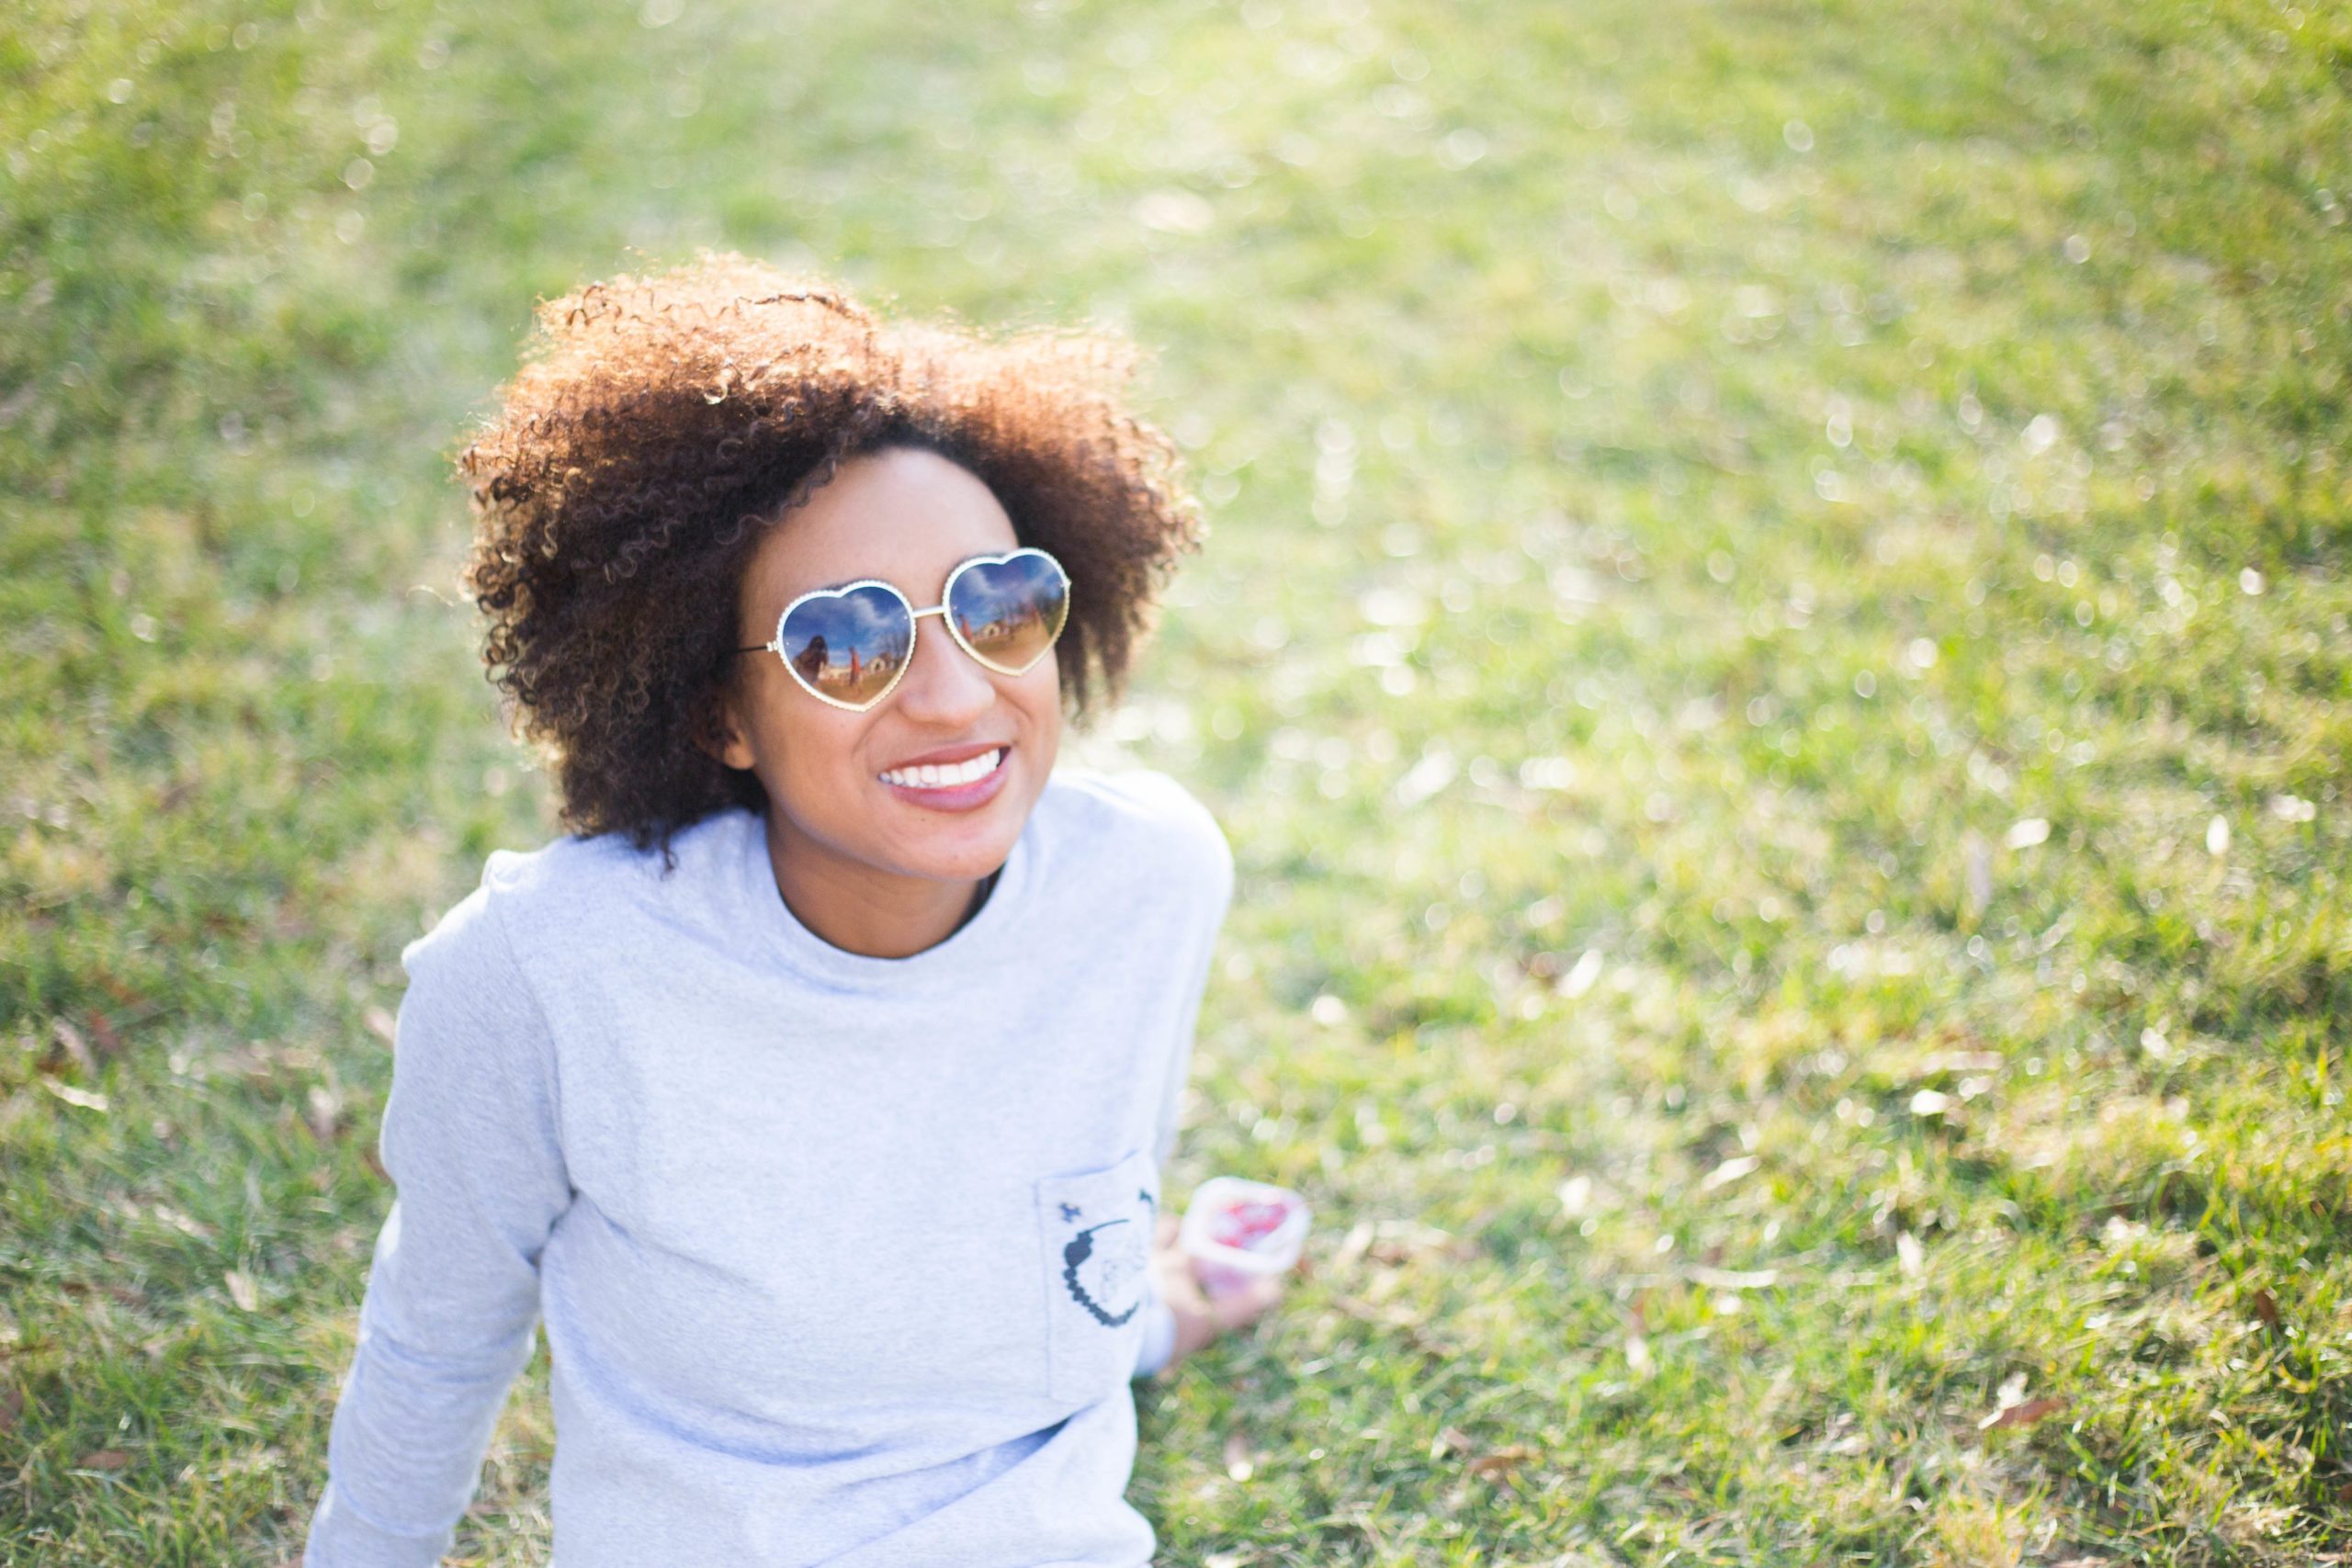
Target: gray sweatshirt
(842,1259)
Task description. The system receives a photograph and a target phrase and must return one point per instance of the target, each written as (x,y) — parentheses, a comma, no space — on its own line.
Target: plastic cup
(1238,1231)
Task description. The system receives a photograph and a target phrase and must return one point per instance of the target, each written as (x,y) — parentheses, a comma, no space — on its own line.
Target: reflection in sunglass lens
(1008,612)
(848,645)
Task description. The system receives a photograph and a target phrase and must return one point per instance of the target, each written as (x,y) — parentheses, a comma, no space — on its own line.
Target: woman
(814,1090)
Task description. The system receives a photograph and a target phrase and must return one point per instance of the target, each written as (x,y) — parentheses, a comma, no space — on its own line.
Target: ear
(721,732)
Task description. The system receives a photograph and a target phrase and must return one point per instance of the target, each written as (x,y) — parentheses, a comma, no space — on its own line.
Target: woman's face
(908,517)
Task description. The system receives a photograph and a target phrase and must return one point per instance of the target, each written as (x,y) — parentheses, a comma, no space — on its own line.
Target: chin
(963,852)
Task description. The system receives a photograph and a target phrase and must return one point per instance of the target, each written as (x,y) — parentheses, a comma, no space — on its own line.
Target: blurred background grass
(1774,654)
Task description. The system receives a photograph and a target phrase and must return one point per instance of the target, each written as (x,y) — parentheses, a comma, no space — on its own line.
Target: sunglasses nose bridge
(941,683)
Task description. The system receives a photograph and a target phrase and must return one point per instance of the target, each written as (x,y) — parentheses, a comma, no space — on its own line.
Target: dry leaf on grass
(242,1290)
(69,1041)
(105,1459)
(323,1112)
(2024,1414)
(12,1404)
(129,1295)
(1489,1464)
(1731,1170)
(1500,1462)
(2266,1307)
(102,1031)
(88,1100)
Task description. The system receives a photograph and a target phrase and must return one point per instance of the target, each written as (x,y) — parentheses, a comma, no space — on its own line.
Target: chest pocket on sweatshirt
(1097,1226)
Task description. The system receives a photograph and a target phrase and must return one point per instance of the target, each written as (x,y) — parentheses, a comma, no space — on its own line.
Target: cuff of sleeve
(341,1537)
(1158,1337)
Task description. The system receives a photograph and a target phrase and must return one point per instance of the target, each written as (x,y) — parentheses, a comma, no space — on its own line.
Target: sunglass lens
(848,645)
(1008,612)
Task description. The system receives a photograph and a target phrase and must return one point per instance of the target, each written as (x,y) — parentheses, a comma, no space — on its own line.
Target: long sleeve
(1160,1318)
(1213,869)
(470,1139)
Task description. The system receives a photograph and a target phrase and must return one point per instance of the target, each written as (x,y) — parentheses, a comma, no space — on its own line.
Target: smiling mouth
(949,775)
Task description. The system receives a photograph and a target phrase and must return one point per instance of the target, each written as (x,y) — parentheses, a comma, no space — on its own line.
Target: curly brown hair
(660,424)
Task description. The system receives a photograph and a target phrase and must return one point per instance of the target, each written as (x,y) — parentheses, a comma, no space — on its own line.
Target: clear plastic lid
(1241,1230)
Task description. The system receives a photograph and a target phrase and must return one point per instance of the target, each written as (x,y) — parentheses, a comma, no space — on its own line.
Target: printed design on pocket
(1103,1263)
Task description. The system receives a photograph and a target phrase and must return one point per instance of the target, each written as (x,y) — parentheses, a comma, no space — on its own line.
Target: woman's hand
(1201,1317)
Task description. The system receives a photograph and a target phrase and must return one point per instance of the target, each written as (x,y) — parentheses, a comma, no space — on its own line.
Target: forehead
(904,515)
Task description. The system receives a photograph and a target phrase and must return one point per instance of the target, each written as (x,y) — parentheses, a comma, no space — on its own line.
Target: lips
(948,754)
(970,780)
(946,775)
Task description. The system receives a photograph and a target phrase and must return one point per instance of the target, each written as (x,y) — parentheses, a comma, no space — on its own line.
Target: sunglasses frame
(914,626)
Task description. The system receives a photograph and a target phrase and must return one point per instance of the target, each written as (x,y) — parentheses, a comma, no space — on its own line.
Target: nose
(944,687)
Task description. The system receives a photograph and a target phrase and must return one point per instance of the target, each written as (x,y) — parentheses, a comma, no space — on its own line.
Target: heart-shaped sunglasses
(849,646)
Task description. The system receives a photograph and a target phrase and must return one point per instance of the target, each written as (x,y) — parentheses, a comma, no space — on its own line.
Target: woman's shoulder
(572,884)
(1139,813)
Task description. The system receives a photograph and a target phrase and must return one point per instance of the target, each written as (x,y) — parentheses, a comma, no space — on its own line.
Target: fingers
(1202,1318)
(1177,1275)
(1245,1304)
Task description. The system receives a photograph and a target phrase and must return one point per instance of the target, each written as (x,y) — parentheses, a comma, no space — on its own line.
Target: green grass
(1775,654)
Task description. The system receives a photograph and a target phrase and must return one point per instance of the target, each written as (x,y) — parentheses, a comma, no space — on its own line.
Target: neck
(860,909)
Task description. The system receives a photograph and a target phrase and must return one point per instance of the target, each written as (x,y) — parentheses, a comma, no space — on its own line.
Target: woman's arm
(1181,1317)
(471,1143)
(1194,1316)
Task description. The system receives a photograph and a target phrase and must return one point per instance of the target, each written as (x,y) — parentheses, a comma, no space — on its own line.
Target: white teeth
(931,776)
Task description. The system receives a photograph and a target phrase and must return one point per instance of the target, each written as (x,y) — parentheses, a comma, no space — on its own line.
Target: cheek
(811,752)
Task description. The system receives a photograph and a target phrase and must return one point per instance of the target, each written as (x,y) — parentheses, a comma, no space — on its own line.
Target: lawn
(1774,650)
